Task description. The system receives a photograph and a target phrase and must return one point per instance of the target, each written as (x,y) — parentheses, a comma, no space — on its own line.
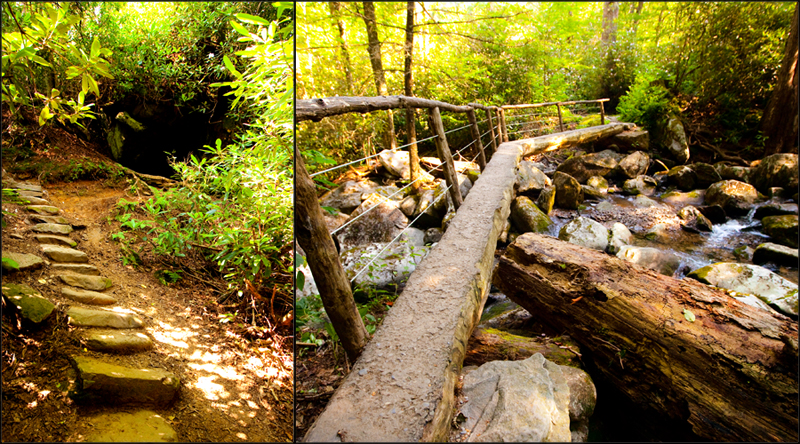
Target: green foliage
(167,277)
(647,102)
(74,170)
(10,263)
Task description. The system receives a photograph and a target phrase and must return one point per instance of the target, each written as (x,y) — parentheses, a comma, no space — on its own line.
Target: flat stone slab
(87,317)
(21,185)
(49,219)
(30,302)
(111,341)
(87,296)
(29,193)
(54,239)
(75,269)
(64,254)
(99,381)
(43,209)
(771,252)
(97,283)
(139,426)
(52,228)
(35,200)
(24,261)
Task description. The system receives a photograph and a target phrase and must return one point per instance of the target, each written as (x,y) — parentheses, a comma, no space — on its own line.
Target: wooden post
(413,153)
(499,125)
(444,154)
(503,124)
(476,135)
(560,120)
(491,129)
(323,259)
(602,114)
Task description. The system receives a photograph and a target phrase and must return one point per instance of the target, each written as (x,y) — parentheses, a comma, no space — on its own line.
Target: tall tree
(408,84)
(780,119)
(610,14)
(335,8)
(374,47)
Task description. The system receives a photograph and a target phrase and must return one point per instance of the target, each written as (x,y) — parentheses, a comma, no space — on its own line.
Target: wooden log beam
(443,150)
(483,107)
(538,105)
(317,109)
(674,345)
(564,139)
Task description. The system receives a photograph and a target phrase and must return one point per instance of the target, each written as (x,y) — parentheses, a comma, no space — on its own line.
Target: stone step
(49,219)
(97,283)
(75,269)
(55,240)
(88,297)
(86,317)
(64,254)
(52,228)
(29,193)
(35,200)
(111,341)
(102,382)
(24,261)
(21,185)
(138,426)
(30,302)
(43,209)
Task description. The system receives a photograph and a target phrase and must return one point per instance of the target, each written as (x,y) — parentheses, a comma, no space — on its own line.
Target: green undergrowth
(48,171)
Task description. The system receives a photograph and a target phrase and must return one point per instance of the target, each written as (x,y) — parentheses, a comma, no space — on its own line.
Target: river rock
(49,219)
(138,426)
(55,240)
(24,261)
(679,200)
(599,183)
(347,197)
(52,228)
(619,236)
(64,254)
(526,216)
(682,177)
(588,165)
(447,219)
(43,209)
(752,279)
(782,229)
(408,205)
(413,236)
(546,199)
(777,170)
(633,165)
(582,400)
(86,282)
(517,401)
(732,172)
(88,297)
(445,204)
(628,141)
(706,175)
(775,209)
(334,219)
(733,196)
(714,213)
(85,317)
(694,219)
(661,261)
(396,163)
(591,193)
(30,302)
(433,235)
(779,254)
(112,341)
(640,185)
(675,140)
(585,232)
(642,201)
(569,194)
(102,382)
(394,265)
(530,178)
(388,191)
(380,224)
(428,214)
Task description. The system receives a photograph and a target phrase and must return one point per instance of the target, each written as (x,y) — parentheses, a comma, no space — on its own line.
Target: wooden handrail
(317,109)
(537,105)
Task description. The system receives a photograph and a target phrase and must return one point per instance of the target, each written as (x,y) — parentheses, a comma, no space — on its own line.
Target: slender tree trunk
(408,84)
(636,19)
(348,67)
(608,39)
(610,14)
(780,120)
(377,68)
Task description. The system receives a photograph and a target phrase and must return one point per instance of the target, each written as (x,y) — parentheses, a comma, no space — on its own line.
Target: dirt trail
(232,389)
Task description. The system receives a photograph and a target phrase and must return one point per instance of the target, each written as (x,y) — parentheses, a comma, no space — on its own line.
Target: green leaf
(300,280)
(45,115)
(688,315)
(40,60)
(239,28)
(332,211)
(95,48)
(230,67)
(93,85)
(247,18)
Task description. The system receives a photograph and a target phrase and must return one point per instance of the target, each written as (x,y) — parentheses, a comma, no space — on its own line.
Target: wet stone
(87,296)
(52,228)
(85,317)
(111,341)
(139,426)
(30,302)
(49,219)
(24,261)
(55,240)
(103,382)
(64,254)
(75,269)
(43,209)
(86,282)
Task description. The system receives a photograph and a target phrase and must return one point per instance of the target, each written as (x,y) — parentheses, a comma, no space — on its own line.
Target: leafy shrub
(647,102)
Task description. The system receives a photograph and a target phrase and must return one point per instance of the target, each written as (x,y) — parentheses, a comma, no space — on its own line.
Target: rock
(546,199)
(779,254)
(87,297)
(52,228)
(633,165)
(659,233)
(389,191)
(743,253)
(112,341)
(413,236)
(751,279)
(706,175)
(459,165)
(473,174)
(569,194)
(732,172)
(776,192)
(309,286)
(586,233)
(28,193)
(582,400)
(464,185)
(22,186)
(396,163)
(619,236)
(64,254)
(775,209)
(640,185)
(590,193)
(599,183)
(394,265)
(777,170)
(714,213)
(675,141)
(754,301)
(782,229)
(408,205)
(530,178)
(130,122)
(679,200)
(694,218)
(55,240)
(30,302)
(99,381)
(42,209)
(526,216)
(596,164)
(627,141)
(652,258)
(49,219)
(347,197)
(74,269)
(35,200)
(517,401)
(447,219)
(733,196)
(682,177)
(642,201)
(85,317)
(138,426)
(24,261)
(334,220)
(380,224)
(433,235)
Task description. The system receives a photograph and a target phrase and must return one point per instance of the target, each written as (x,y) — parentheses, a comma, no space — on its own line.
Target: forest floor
(233,387)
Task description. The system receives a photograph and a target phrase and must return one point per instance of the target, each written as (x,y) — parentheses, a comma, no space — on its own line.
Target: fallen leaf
(42,281)
(688,315)
(576,300)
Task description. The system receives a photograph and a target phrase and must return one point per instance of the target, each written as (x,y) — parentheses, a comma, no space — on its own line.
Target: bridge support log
(675,345)
(566,139)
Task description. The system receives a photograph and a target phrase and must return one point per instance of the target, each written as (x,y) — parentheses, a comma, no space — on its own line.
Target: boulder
(705,175)
(714,213)
(379,224)
(429,214)
(775,209)
(394,265)
(396,163)
(682,177)
(619,236)
(530,178)
(599,183)
(628,141)
(661,261)
(526,216)
(659,233)
(675,140)
(782,229)
(633,165)
(777,170)
(408,205)
(29,302)
(586,166)
(586,233)
(64,254)
(334,220)
(735,197)
(732,172)
(642,201)
(347,197)
(23,261)
(546,199)
(776,291)
(85,281)
(102,382)
(640,185)
(582,400)
(591,193)
(679,200)
(694,219)
(779,254)
(569,194)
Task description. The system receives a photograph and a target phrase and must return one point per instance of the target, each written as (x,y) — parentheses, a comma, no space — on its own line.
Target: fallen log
(675,345)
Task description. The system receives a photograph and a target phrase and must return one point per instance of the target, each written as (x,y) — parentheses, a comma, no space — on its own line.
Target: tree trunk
(408,84)
(779,123)
(374,48)
(610,14)
(335,8)
(323,259)
(676,345)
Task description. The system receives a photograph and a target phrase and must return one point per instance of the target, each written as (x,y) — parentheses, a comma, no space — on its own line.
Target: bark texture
(335,8)
(408,85)
(374,47)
